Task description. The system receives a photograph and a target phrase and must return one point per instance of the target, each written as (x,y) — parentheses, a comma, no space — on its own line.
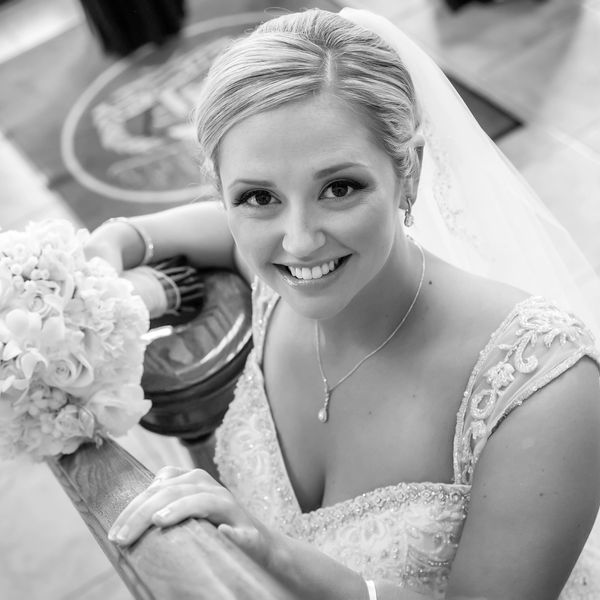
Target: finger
(199,476)
(199,479)
(137,516)
(214,507)
(168,472)
(167,476)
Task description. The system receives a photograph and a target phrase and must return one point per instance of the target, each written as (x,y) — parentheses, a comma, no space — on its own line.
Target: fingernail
(163,513)
(122,534)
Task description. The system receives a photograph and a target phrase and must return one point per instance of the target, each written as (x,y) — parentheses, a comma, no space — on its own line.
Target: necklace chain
(323,414)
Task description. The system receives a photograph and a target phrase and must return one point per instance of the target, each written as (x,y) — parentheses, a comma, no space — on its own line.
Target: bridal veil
(474,209)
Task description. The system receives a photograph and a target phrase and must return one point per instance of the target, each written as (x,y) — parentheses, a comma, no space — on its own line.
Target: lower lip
(311,283)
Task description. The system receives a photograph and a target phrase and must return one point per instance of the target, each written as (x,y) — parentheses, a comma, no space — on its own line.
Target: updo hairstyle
(301,55)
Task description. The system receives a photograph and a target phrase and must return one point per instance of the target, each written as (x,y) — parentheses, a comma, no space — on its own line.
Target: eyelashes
(338,189)
(260,197)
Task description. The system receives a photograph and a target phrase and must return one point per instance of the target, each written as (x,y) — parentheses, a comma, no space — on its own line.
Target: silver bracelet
(371,589)
(171,290)
(146,239)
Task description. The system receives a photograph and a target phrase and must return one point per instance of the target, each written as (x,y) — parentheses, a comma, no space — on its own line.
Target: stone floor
(535,59)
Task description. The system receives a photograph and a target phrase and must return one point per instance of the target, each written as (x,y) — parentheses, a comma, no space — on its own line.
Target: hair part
(302,55)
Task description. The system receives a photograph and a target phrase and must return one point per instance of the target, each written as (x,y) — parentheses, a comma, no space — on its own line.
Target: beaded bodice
(408,532)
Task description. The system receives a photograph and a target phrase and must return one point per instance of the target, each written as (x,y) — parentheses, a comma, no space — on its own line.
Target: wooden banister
(191,560)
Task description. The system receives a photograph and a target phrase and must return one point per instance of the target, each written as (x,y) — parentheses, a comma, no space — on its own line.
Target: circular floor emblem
(128,136)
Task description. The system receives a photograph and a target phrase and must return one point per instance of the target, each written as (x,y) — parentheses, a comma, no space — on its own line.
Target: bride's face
(312,202)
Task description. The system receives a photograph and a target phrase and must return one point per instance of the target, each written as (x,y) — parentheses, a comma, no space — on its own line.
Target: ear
(410,185)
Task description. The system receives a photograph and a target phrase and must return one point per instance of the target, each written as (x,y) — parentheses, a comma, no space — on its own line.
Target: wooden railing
(191,560)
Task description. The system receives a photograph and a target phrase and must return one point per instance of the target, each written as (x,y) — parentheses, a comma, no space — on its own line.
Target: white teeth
(315,272)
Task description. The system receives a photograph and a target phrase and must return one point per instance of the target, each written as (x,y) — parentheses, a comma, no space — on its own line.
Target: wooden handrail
(191,560)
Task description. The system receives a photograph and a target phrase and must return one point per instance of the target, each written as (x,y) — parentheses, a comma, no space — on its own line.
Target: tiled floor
(537,59)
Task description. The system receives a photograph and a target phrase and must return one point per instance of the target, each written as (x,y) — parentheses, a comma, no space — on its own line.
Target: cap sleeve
(535,344)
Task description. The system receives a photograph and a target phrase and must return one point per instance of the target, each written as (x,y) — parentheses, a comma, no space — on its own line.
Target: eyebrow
(318,175)
(335,168)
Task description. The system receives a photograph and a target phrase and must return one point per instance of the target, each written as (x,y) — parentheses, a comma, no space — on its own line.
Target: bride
(410,422)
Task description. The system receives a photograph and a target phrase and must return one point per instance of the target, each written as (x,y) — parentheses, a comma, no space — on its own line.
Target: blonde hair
(299,56)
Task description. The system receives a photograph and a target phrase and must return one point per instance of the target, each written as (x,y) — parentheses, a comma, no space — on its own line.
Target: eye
(255,198)
(341,188)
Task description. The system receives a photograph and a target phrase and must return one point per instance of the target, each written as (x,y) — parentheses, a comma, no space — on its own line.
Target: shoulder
(536,345)
(536,490)
(508,344)
(479,311)
(467,305)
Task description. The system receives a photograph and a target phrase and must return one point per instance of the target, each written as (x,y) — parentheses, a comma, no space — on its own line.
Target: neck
(374,313)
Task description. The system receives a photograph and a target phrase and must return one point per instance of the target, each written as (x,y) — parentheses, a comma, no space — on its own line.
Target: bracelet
(371,589)
(171,289)
(146,239)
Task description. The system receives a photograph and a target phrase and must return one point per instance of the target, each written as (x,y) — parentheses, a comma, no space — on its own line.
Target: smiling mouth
(316,272)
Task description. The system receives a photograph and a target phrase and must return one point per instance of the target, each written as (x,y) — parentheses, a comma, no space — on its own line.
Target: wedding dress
(409,532)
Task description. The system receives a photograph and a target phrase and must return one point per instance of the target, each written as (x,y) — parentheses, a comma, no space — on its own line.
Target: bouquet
(71,344)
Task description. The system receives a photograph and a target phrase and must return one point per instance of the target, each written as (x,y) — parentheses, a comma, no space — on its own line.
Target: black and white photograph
(300,300)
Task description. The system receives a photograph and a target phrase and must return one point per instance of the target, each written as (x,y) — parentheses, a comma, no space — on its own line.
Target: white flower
(74,421)
(69,373)
(71,346)
(119,409)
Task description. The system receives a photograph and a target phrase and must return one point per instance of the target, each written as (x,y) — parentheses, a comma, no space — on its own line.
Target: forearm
(309,573)
(198,231)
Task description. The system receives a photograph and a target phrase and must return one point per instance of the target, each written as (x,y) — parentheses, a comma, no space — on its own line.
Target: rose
(73,421)
(70,373)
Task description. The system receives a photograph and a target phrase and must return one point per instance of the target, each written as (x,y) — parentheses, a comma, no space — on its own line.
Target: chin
(314,308)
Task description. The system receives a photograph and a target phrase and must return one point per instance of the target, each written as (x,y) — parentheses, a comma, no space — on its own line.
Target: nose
(303,234)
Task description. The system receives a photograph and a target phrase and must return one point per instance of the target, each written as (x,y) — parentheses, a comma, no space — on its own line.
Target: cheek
(375,230)
(251,237)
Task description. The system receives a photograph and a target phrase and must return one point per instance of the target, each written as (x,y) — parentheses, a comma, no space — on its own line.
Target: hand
(177,494)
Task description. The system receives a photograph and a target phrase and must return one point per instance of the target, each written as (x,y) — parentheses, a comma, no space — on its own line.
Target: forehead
(312,131)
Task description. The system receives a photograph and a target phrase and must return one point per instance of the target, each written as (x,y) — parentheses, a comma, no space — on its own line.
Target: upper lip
(312,264)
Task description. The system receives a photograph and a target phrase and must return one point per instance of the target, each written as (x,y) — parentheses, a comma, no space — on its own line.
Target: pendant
(323,415)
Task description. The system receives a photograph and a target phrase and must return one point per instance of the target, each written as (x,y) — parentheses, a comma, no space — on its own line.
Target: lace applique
(536,343)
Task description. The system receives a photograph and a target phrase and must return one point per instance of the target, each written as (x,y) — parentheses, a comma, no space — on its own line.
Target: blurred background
(93,124)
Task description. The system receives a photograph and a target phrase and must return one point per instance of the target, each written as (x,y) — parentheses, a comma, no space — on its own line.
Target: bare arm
(535,494)
(199,231)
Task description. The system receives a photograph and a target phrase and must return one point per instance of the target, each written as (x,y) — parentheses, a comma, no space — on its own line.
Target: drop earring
(409,220)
